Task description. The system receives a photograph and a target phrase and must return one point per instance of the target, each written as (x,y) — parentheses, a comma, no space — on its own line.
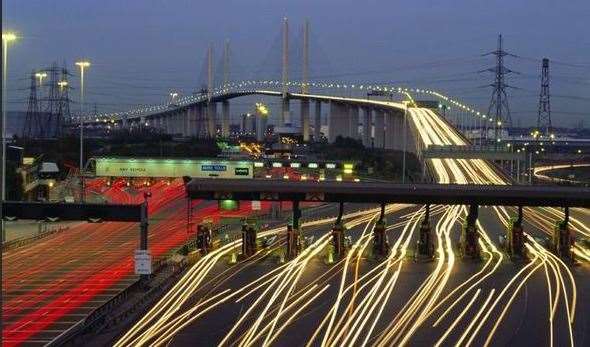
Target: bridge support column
(390,128)
(380,244)
(353,122)
(379,129)
(293,244)
(225,119)
(367,124)
(317,129)
(305,126)
(211,119)
(286,112)
(469,238)
(337,121)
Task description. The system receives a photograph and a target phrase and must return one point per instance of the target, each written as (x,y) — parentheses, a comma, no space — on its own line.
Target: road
(364,300)
(52,283)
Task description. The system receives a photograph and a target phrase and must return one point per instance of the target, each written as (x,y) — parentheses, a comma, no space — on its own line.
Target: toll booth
(249,230)
(204,236)
(293,243)
(563,240)
(380,243)
(338,239)
(425,247)
(515,236)
(469,241)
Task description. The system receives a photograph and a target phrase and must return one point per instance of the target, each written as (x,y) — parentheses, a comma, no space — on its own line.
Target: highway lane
(51,284)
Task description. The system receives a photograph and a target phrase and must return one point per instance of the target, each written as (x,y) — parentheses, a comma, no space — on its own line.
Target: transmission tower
(499,102)
(544,115)
(32,125)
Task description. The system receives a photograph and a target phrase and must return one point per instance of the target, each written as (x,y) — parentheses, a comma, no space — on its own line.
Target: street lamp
(7,38)
(41,76)
(83,65)
(62,85)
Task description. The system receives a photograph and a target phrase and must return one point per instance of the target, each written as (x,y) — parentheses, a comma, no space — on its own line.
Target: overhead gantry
(472,196)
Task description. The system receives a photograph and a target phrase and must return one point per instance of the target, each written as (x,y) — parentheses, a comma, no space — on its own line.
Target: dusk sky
(141,50)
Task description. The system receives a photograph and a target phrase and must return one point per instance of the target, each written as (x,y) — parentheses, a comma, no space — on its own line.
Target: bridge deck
(369,192)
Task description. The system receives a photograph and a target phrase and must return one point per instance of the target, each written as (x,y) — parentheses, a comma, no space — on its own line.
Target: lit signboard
(121,167)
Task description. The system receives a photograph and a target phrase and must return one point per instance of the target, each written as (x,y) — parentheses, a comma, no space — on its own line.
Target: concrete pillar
(286,112)
(338,121)
(225,119)
(379,129)
(390,128)
(305,119)
(260,125)
(211,119)
(353,122)
(367,125)
(318,121)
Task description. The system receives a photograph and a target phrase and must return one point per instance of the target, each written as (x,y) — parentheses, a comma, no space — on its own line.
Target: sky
(141,50)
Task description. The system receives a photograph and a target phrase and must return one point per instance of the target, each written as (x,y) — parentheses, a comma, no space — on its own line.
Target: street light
(41,76)
(83,65)
(7,38)
(62,85)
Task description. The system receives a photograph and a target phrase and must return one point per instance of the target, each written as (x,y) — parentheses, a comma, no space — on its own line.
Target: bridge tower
(286,113)
(544,115)
(211,106)
(225,104)
(499,102)
(305,126)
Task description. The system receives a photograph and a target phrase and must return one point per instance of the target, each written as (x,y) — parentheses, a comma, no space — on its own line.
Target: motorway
(361,299)
(49,285)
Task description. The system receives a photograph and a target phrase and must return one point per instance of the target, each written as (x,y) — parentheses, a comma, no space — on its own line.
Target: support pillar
(390,128)
(305,126)
(353,122)
(367,125)
(211,119)
(286,112)
(318,121)
(379,129)
(225,119)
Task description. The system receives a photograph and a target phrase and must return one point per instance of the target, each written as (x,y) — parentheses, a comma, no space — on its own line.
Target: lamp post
(7,38)
(41,76)
(82,65)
